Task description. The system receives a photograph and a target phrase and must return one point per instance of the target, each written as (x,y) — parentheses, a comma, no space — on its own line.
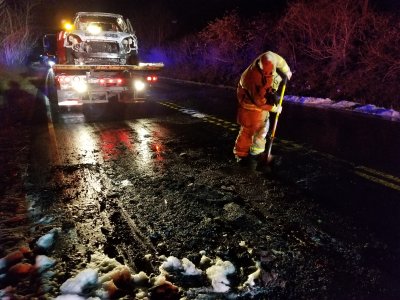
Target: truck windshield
(105,23)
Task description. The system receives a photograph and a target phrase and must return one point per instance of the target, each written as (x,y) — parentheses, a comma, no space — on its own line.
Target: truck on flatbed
(96,61)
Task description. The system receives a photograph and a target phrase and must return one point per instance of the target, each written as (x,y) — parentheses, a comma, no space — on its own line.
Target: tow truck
(90,85)
(95,61)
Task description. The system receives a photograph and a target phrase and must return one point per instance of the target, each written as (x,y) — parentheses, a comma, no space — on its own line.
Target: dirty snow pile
(106,278)
(90,282)
(347,105)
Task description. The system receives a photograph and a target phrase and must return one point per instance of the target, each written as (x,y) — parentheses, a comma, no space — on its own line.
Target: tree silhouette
(16,34)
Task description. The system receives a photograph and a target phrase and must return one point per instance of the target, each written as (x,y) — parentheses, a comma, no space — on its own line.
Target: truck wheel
(53,110)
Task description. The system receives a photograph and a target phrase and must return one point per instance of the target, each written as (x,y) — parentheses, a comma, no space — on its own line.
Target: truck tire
(53,110)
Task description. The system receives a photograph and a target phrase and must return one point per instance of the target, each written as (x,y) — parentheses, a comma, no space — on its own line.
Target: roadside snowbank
(370,109)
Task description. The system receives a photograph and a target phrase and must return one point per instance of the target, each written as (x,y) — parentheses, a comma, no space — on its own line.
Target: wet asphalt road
(349,161)
(190,129)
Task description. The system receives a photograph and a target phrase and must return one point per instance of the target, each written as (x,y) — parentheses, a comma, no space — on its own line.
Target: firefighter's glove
(289,75)
(276,109)
(272,98)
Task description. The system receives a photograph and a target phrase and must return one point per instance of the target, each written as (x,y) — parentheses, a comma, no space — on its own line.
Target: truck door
(49,42)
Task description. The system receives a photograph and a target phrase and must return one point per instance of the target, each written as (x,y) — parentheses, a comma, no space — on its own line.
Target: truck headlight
(139,85)
(94,29)
(79,86)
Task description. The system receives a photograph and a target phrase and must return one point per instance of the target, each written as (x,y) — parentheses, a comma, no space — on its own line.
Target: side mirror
(49,44)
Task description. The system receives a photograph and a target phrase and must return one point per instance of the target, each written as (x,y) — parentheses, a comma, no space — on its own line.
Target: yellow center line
(379,173)
(379,180)
(376,176)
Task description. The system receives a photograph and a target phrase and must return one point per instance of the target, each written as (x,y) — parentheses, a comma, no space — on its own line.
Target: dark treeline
(343,49)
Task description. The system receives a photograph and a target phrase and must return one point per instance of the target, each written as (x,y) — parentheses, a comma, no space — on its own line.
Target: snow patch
(47,241)
(42,263)
(217,274)
(70,297)
(374,110)
(141,278)
(189,268)
(343,104)
(193,113)
(77,285)
(172,263)
(126,182)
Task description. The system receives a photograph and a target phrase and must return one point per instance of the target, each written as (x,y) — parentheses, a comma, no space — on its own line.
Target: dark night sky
(188,15)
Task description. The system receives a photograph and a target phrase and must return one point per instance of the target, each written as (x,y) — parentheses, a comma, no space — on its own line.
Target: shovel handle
(280,104)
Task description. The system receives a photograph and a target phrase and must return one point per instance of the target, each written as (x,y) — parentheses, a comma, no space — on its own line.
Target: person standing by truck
(256,98)
(61,51)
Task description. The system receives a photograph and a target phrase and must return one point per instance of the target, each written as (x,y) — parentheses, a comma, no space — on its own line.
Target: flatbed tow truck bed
(88,85)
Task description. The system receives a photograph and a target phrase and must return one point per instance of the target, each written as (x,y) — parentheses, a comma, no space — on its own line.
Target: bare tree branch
(16,36)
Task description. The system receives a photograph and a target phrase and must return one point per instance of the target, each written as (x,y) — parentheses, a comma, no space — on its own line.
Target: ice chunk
(43,263)
(84,280)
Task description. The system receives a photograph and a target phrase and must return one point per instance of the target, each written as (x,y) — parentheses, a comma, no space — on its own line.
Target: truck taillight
(110,81)
(152,78)
(78,83)
(64,79)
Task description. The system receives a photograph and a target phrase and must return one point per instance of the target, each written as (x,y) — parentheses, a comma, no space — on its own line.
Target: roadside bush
(341,49)
(338,49)
(16,34)
(221,51)
(379,70)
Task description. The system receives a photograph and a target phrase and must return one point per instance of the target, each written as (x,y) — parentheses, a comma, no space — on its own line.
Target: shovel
(271,138)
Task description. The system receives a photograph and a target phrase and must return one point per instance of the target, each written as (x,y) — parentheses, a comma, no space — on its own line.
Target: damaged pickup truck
(98,38)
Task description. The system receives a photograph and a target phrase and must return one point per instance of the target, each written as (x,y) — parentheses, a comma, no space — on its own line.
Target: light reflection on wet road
(76,142)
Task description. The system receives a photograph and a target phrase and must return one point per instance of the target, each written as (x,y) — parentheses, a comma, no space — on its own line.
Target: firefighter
(256,98)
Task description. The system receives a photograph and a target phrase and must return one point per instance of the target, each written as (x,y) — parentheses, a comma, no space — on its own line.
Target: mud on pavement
(184,223)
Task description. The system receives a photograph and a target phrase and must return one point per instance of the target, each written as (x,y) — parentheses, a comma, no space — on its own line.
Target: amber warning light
(67,25)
